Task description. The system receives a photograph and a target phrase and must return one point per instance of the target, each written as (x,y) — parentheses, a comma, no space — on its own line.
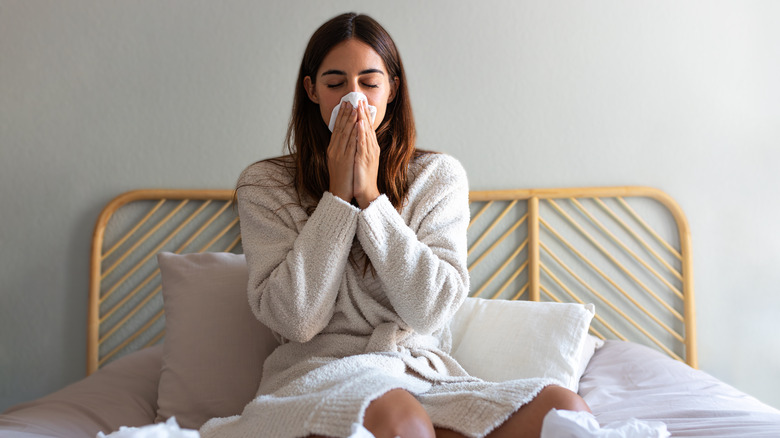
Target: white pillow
(499,340)
(592,344)
(214,346)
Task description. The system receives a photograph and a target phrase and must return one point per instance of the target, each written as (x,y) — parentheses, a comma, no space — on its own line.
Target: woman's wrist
(340,191)
(364,200)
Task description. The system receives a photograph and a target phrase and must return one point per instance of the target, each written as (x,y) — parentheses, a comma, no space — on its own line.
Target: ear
(393,88)
(311,90)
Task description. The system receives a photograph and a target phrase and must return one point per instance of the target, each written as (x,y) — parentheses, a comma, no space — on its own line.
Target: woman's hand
(341,153)
(366,167)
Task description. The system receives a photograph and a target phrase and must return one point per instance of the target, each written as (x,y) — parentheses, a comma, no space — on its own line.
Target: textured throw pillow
(214,347)
(499,340)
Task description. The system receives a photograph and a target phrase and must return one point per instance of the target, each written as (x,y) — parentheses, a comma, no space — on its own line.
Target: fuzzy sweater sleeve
(422,266)
(294,276)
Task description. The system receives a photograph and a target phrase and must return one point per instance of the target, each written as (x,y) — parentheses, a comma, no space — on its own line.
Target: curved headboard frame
(97,251)
(605,224)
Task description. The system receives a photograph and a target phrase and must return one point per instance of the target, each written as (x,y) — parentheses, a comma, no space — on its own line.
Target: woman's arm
(422,268)
(294,277)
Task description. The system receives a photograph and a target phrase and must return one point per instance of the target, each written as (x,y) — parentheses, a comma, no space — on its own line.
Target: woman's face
(351,65)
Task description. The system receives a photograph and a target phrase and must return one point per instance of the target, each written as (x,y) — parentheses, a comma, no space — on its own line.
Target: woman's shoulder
(433,177)
(276,171)
(269,182)
(437,166)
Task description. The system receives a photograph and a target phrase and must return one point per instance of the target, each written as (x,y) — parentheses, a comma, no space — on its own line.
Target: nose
(354,85)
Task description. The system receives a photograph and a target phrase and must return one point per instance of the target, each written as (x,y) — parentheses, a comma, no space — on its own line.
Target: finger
(350,116)
(344,127)
(367,134)
(361,110)
(360,120)
(360,150)
(371,150)
(366,114)
(349,110)
(342,116)
(352,138)
(359,138)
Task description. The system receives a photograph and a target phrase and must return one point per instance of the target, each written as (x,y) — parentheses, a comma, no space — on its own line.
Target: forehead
(352,56)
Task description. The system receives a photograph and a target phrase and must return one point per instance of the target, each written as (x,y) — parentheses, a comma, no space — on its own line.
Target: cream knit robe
(348,338)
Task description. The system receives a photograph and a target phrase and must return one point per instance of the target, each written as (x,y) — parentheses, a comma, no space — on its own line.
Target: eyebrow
(364,72)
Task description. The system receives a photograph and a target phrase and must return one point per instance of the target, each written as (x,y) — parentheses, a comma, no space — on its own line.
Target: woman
(356,247)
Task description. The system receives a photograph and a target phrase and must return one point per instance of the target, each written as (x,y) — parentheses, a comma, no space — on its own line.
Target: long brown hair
(307,135)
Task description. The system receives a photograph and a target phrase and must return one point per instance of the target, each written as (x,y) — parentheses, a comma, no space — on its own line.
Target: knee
(398,413)
(557,397)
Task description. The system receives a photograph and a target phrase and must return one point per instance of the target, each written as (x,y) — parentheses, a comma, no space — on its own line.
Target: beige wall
(101,97)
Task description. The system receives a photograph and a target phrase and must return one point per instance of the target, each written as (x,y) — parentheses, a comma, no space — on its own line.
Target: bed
(170,334)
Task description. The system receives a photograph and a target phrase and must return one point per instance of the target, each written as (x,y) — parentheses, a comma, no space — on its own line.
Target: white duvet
(625,380)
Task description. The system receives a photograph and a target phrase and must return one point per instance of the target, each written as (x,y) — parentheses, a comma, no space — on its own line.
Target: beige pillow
(499,340)
(214,347)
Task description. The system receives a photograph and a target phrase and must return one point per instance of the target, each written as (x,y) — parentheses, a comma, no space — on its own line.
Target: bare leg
(398,413)
(527,421)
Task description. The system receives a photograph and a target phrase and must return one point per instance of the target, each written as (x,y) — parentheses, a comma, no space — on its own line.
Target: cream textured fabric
(347,337)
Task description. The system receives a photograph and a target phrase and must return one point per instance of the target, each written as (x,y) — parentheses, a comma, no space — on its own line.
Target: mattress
(623,380)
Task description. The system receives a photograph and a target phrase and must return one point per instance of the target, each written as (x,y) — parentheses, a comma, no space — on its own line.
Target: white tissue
(573,424)
(169,429)
(358,431)
(353,98)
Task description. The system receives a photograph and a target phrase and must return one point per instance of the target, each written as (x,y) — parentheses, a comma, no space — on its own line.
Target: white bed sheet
(623,380)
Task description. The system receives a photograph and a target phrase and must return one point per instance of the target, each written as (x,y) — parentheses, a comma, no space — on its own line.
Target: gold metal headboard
(611,246)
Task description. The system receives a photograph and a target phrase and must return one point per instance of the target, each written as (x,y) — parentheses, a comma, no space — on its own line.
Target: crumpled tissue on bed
(353,98)
(169,429)
(571,424)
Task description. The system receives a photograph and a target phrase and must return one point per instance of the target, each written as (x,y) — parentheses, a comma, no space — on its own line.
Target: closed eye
(341,83)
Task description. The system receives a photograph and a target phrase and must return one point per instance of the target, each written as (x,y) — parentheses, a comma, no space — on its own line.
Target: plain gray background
(97,98)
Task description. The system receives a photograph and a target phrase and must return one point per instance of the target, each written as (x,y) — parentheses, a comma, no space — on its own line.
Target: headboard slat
(625,249)
(132,231)
(141,241)
(641,241)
